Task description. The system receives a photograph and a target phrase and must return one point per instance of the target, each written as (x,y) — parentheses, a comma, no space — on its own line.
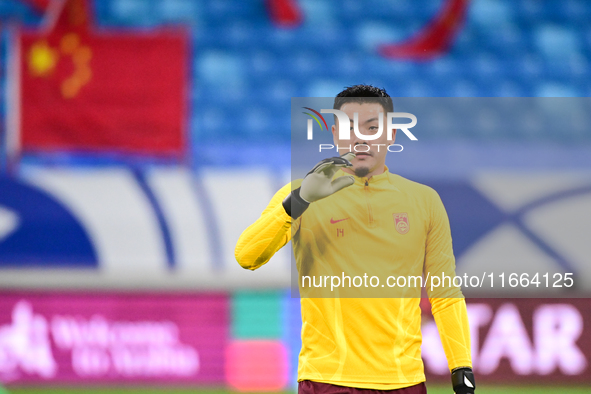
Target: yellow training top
(385,226)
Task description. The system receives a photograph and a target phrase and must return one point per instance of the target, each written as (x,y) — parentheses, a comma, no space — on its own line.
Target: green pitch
(431,389)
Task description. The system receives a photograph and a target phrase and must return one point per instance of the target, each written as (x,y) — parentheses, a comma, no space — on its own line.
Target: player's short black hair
(364,94)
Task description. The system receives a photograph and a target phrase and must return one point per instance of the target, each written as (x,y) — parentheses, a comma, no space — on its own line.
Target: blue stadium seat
(245,70)
(180,10)
(135,12)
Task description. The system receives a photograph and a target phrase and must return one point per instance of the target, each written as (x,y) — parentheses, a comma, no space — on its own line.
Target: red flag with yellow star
(90,91)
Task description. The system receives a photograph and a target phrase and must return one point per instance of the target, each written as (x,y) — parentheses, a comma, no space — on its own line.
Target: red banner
(83,90)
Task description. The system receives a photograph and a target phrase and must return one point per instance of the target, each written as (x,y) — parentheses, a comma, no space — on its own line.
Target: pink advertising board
(71,337)
(520,340)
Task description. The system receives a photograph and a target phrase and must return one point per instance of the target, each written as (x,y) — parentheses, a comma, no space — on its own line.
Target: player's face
(370,158)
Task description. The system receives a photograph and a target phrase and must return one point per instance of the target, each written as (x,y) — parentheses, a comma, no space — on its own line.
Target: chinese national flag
(83,90)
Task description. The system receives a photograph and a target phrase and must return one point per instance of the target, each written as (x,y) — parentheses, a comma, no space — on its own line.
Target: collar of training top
(382,178)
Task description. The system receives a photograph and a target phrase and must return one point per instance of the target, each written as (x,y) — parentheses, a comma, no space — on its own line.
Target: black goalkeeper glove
(462,380)
(318,184)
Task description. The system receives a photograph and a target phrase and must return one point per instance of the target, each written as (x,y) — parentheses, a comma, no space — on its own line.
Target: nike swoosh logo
(332,221)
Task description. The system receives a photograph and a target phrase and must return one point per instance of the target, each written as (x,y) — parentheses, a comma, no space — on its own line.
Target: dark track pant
(309,387)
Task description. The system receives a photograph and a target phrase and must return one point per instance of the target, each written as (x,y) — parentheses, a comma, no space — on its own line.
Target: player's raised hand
(318,184)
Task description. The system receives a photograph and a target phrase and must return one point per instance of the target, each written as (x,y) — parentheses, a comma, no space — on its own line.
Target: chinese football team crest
(401,222)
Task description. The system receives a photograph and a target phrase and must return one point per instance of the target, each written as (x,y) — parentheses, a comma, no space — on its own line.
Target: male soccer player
(350,214)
